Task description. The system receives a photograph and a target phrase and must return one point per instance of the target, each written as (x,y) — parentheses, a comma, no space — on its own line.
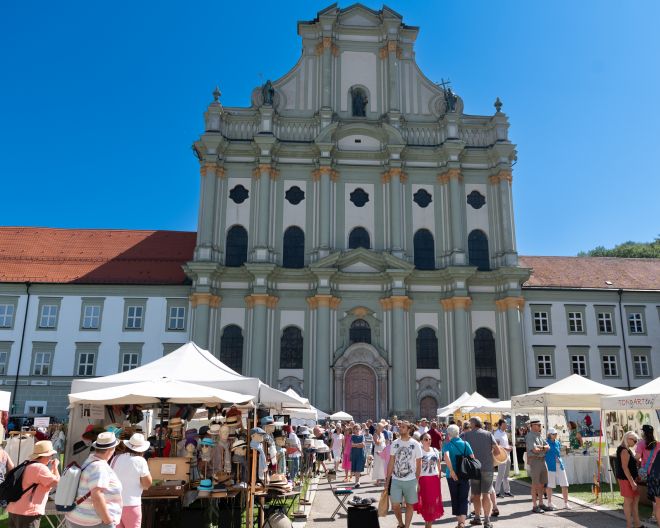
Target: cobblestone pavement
(514,512)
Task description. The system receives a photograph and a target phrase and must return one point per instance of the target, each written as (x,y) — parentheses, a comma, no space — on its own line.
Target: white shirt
(405,458)
(294,438)
(501,438)
(430,463)
(129,470)
(422,429)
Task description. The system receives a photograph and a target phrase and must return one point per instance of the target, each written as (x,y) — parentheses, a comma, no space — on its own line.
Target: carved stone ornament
(239,194)
(359,197)
(476,199)
(294,195)
(422,198)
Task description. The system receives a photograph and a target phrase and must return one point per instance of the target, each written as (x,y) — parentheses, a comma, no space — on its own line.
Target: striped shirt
(97,474)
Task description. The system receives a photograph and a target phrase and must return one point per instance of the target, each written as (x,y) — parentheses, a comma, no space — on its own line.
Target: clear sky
(101,101)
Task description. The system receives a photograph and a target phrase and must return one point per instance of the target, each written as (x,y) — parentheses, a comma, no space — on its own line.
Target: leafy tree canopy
(627,250)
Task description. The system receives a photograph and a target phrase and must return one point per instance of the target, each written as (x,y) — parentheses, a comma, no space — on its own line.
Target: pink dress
(346,461)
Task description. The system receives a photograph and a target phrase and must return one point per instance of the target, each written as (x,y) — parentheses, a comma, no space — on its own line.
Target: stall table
(580,469)
(54,518)
(284,501)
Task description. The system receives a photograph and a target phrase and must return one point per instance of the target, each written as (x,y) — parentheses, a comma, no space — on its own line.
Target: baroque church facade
(356,237)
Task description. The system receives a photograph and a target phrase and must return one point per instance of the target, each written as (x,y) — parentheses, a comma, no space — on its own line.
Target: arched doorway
(428,407)
(360,393)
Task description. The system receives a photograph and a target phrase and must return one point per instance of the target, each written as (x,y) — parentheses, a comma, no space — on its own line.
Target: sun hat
(214,429)
(257,430)
(42,449)
(501,457)
(534,422)
(238,443)
(205,485)
(137,443)
(207,442)
(552,431)
(105,440)
(232,419)
(267,420)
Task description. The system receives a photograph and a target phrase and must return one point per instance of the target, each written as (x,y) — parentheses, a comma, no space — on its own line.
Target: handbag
(468,468)
(644,471)
(383,503)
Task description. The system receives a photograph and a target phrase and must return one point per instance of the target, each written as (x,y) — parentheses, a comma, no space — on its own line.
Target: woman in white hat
(100,488)
(38,479)
(134,475)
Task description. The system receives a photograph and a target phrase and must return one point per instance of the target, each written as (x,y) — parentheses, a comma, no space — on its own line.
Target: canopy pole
(516,469)
(160,429)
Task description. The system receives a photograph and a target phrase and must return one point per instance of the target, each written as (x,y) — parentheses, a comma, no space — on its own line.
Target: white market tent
(147,392)
(573,392)
(465,402)
(645,397)
(503,406)
(341,416)
(5,399)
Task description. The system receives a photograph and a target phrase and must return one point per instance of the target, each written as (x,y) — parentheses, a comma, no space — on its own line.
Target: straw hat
(105,440)
(238,443)
(214,429)
(501,457)
(137,443)
(42,449)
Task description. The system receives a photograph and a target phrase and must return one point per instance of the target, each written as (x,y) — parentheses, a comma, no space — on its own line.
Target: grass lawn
(612,501)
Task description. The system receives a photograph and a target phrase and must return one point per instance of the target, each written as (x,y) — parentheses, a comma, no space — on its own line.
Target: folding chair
(341,495)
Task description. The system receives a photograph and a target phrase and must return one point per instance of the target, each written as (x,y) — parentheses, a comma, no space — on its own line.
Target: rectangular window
(7,311)
(541,322)
(129,361)
(575,323)
(641,364)
(176,319)
(605,325)
(134,317)
(48,316)
(635,324)
(91,317)
(42,362)
(544,365)
(35,407)
(170,347)
(610,368)
(579,364)
(5,350)
(86,362)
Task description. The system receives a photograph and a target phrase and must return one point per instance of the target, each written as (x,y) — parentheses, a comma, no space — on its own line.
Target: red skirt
(429,498)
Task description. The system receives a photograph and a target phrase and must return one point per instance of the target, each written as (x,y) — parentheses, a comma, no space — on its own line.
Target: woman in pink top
(645,446)
(40,475)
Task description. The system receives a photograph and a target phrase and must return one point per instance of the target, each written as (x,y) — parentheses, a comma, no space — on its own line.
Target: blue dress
(357,454)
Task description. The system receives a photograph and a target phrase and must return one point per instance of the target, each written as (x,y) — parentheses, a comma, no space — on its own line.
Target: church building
(356,238)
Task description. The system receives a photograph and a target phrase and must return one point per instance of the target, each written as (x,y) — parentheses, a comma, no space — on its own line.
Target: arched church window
(293,255)
(359,238)
(359,197)
(237,246)
(478,250)
(358,102)
(485,361)
(231,347)
(291,348)
(427,349)
(360,332)
(424,250)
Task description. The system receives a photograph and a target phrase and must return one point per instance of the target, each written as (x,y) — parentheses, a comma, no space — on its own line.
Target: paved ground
(514,512)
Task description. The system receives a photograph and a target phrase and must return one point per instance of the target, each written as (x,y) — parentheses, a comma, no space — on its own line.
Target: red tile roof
(593,272)
(94,256)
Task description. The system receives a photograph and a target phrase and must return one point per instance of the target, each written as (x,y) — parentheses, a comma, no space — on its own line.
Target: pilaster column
(201,304)
(325,176)
(464,375)
(395,177)
(506,212)
(393,74)
(516,355)
(259,303)
(324,48)
(263,173)
(457,214)
(403,376)
(203,251)
(318,382)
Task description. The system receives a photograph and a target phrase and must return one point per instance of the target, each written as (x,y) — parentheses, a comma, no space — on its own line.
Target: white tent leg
(516,469)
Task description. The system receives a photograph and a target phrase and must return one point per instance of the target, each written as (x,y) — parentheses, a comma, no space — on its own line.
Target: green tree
(628,249)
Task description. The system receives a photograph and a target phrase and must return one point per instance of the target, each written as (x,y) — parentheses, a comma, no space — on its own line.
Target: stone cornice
(396,301)
(323,301)
(449,175)
(456,303)
(317,173)
(265,167)
(503,175)
(257,299)
(393,173)
(510,302)
(200,298)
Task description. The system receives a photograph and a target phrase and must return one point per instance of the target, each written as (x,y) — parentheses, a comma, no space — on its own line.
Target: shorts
(483,485)
(625,489)
(557,478)
(538,471)
(404,489)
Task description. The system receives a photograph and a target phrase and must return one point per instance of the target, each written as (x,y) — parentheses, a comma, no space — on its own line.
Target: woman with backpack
(134,475)
(40,475)
(459,487)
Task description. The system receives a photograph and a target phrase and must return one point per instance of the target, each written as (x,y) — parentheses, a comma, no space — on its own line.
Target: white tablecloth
(580,469)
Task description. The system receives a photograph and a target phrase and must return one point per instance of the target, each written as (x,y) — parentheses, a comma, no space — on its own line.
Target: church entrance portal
(360,396)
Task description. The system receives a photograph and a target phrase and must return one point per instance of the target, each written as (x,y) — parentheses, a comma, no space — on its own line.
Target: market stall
(574,393)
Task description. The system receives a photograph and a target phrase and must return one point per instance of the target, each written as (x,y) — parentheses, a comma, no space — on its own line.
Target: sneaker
(508,494)
(549,507)
(567,506)
(495,513)
(499,496)
(537,509)
(476,521)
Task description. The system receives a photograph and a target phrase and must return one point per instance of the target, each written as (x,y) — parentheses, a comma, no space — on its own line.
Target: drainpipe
(623,337)
(20,353)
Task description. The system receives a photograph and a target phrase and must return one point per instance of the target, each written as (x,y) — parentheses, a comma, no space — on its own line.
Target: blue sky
(101,101)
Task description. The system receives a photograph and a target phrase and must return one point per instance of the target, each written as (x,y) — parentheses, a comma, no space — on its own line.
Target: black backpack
(467,468)
(11,489)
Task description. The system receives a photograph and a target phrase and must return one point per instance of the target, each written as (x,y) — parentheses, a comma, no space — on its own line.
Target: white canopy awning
(503,406)
(465,402)
(5,398)
(155,391)
(573,392)
(192,364)
(341,416)
(645,397)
